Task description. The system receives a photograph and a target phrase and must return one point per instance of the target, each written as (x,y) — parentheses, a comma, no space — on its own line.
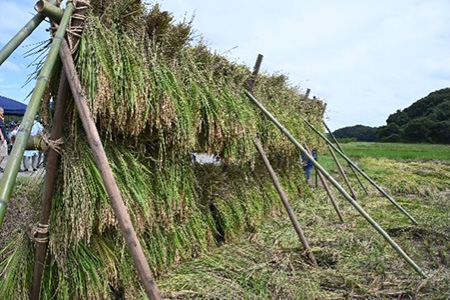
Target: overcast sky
(364,58)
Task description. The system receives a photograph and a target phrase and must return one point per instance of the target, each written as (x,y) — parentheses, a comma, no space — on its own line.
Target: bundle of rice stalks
(186,100)
(156,99)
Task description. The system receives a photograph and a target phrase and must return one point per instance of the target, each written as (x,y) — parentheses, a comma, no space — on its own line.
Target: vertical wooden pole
(307,94)
(341,170)
(285,201)
(118,206)
(49,181)
(252,79)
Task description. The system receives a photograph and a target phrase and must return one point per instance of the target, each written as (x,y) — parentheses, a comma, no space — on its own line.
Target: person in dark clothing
(308,166)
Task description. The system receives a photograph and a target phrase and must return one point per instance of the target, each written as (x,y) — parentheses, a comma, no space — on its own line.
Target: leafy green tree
(418,131)
(384,132)
(425,121)
(360,132)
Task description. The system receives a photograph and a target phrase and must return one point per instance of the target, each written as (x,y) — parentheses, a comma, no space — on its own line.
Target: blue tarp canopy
(12,107)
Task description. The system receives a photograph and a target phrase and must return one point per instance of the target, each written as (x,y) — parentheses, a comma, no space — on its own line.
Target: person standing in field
(4,144)
(308,165)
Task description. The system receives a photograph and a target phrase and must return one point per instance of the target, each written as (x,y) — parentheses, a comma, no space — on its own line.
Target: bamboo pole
(36,143)
(351,167)
(327,190)
(12,168)
(273,176)
(22,35)
(47,193)
(362,173)
(119,208)
(341,170)
(48,9)
(330,195)
(355,204)
(287,206)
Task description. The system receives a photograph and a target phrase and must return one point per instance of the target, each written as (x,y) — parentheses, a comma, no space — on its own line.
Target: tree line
(426,121)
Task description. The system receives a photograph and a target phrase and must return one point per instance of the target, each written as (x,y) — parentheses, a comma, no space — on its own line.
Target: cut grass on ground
(355,262)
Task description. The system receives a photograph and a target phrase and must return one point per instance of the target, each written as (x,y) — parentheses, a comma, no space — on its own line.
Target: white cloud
(365,58)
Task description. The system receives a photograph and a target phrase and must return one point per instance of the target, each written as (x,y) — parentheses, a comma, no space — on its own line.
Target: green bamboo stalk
(22,35)
(351,167)
(48,9)
(12,168)
(362,173)
(328,190)
(355,204)
(341,170)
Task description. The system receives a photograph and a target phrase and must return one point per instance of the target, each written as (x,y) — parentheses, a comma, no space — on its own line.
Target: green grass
(395,151)
(398,151)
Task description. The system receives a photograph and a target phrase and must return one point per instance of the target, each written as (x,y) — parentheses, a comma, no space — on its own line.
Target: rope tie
(42,229)
(44,143)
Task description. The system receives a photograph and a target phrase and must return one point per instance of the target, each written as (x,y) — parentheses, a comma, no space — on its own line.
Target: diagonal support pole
(355,204)
(286,204)
(330,195)
(118,206)
(328,190)
(273,176)
(22,35)
(362,173)
(351,167)
(12,168)
(341,170)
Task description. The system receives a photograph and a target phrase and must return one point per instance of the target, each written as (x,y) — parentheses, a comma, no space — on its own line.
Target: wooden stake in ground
(341,170)
(101,161)
(47,193)
(285,201)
